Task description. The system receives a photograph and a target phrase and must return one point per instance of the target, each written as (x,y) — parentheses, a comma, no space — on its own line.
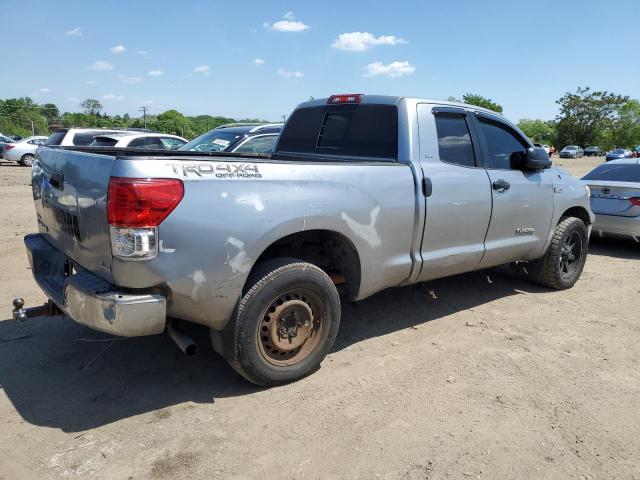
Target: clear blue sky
(261,58)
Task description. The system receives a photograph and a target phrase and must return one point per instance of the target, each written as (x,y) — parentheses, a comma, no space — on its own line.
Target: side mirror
(536,159)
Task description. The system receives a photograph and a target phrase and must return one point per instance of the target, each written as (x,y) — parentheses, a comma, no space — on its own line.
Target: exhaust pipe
(185,343)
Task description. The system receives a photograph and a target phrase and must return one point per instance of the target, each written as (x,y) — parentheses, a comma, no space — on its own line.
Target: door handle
(501,185)
(427,187)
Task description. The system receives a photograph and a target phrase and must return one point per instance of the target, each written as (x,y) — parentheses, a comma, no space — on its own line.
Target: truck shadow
(614,247)
(62,375)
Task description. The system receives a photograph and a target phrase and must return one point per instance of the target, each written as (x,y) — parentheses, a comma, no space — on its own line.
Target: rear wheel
(27,159)
(564,260)
(285,324)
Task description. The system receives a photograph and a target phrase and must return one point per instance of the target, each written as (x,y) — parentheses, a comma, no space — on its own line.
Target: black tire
(562,264)
(282,295)
(27,160)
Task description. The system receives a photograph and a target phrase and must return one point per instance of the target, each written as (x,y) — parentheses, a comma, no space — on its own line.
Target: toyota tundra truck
(361,193)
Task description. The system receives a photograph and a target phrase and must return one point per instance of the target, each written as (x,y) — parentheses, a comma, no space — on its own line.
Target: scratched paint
(240,262)
(199,278)
(252,199)
(366,232)
(165,249)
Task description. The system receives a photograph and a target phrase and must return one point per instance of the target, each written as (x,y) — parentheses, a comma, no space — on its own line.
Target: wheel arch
(578,212)
(329,250)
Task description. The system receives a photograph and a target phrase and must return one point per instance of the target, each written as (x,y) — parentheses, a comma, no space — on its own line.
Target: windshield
(570,147)
(617,172)
(619,150)
(213,141)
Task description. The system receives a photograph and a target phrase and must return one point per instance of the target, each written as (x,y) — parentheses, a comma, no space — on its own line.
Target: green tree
(50,111)
(172,122)
(539,131)
(91,106)
(625,128)
(480,101)
(585,115)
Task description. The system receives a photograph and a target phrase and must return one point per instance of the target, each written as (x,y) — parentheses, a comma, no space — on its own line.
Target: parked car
(361,193)
(571,151)
(546,148)
(615,197)
(69,137)
(158,141)
(593,151)
(618,153)
(23,151)
(239,138)
(3,141)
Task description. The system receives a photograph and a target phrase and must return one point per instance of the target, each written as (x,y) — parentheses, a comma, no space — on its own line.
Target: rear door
(522,199)
(70,195)
(457,192)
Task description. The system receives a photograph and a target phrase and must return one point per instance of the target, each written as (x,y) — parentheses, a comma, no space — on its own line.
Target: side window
(261,144)
(505,147)
(146,142)
(170,143)
(454,139)
(85,138)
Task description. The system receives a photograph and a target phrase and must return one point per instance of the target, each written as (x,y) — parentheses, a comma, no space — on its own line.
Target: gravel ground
(483,375)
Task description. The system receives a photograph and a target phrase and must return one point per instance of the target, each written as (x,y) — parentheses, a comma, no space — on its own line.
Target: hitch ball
(19,312)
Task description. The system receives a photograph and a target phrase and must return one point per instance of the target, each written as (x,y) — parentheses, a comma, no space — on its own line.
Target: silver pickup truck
(361,193)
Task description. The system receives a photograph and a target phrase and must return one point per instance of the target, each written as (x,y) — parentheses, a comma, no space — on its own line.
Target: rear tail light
(635,201)
(345,98)
(9,147)
(135,208)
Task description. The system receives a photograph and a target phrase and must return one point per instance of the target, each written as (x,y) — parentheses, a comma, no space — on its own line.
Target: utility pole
(144,114)
(33,131)
(284,118)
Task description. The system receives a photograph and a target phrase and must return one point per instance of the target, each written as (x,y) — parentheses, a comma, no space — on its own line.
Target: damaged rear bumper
(90,300)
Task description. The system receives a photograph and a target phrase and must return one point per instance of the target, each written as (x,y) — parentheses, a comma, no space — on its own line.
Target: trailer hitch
(21,314)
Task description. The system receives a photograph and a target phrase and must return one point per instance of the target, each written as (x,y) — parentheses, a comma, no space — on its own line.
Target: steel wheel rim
(291,327)
(570,255)
(28,160)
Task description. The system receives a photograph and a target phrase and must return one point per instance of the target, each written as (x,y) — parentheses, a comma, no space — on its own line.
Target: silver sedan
(615,198)
(24,151)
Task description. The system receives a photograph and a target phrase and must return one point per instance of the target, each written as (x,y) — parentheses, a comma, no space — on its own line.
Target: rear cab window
(346,132)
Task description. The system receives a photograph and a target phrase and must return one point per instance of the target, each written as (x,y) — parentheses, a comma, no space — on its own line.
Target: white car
(24,151)
(80,137)
(547,148)
(155,141)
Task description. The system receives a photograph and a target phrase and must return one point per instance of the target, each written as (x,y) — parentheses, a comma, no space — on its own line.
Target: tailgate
(70,194)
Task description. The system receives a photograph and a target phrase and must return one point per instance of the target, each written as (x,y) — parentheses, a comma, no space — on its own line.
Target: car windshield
(617,172)
(570,147)
(592,148)
(618,150)
(213,141)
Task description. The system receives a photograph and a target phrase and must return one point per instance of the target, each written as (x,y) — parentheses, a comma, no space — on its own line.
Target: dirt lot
(489,377)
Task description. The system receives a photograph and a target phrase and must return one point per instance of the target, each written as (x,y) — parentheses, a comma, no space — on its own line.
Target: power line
(144,114)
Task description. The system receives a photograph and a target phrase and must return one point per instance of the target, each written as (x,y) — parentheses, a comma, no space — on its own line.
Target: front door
(522,199)
(458,192)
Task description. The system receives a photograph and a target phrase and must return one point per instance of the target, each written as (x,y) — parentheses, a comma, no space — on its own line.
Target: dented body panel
(213,238)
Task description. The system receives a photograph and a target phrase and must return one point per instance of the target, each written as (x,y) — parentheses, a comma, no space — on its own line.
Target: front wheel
(285,323)
(562,264)
(27,160)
